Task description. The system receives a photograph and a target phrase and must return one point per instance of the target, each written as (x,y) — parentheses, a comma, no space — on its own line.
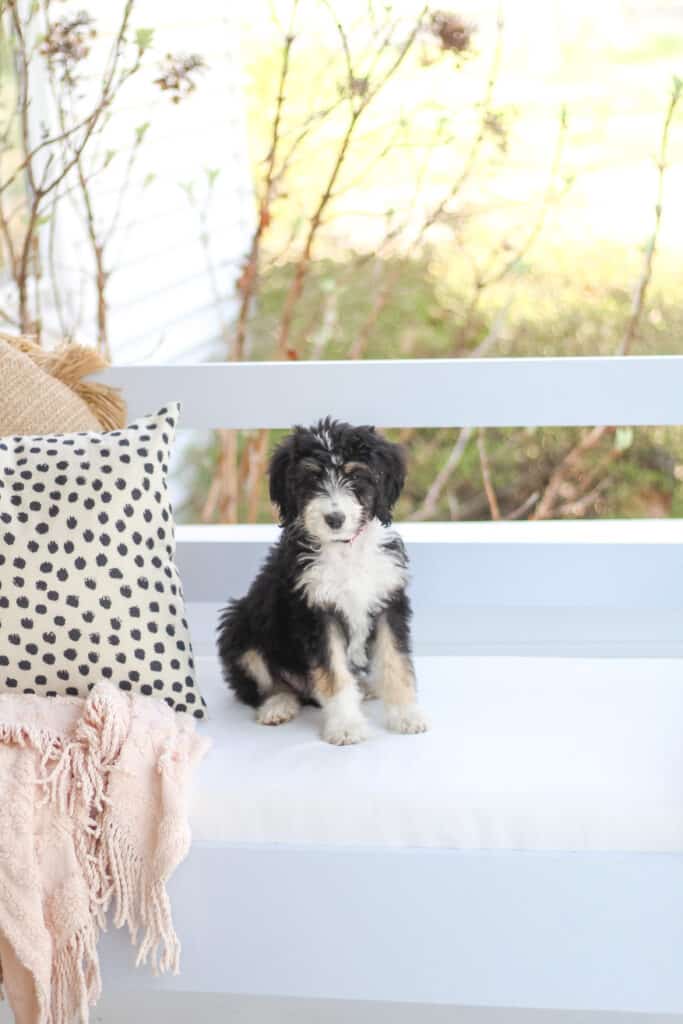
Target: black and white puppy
(327,620)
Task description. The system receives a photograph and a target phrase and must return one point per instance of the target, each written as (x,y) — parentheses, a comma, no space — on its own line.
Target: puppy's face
(334,478)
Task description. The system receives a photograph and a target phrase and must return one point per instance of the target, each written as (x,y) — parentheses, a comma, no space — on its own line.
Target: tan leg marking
(393,676)
(336,689)
(280,705)
(253,663)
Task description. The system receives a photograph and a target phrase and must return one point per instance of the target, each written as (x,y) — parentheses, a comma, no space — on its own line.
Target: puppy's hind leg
(277,703)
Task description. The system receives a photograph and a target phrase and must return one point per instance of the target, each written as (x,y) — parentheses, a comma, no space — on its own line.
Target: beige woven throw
(44,392)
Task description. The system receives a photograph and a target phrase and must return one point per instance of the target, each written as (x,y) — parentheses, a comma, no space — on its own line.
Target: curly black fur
(285,619)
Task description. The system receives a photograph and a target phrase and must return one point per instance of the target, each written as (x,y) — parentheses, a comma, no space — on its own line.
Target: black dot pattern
(89,589)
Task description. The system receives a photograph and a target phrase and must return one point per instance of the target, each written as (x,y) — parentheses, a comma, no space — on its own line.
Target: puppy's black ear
(280,486)
(390,463)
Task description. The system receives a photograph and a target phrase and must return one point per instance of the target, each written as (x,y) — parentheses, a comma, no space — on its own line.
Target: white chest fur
(356,579)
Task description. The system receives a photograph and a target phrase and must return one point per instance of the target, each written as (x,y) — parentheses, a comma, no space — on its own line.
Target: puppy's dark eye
(357,470)
(309,469)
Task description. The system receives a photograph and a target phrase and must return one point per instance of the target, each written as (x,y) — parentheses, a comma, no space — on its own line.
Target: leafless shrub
(44,166)
(178,73)
(67,43)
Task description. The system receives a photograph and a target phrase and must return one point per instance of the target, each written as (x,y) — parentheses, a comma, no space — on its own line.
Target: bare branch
(429,506)
(579,506)
(590,440)
(526,506)
(642,286)
(296,288)
(345,45)
(486,477)
(544,209)
(249,276)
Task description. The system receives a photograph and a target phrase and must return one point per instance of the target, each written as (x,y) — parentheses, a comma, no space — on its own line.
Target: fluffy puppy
(327,619)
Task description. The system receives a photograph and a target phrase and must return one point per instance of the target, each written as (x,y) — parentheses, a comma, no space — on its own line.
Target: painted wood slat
(480,564)
(635,390)
(574,931)
(576,589)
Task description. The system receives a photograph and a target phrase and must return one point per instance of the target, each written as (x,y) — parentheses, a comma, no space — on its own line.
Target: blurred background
(360,179)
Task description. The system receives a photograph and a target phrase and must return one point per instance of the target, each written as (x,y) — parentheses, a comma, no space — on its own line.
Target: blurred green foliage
(569,294)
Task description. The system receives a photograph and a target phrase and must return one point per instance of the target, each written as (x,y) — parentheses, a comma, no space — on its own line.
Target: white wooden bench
(589,926)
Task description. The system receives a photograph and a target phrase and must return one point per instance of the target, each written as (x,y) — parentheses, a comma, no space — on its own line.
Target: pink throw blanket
(93,815)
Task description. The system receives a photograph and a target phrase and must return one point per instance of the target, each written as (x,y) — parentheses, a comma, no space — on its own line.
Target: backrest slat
(633,390)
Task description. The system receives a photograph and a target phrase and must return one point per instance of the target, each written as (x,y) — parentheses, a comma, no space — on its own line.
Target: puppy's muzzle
(335,520)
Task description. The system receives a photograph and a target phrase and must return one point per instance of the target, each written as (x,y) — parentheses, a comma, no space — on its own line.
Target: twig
(296,287)
(638,302)
(486,477)
(429,506)
(257,468)
(250,272)
(521,510)
(221,498)
(579,506)
(484,280)
(590,440)
(544,209)
(569,463)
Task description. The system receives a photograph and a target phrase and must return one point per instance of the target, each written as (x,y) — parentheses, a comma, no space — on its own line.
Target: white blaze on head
(334,514)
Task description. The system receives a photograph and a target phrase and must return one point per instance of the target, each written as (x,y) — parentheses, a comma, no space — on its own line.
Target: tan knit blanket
(93,817)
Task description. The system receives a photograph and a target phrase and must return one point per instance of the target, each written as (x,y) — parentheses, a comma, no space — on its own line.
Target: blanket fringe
(140,903)
(75,778)
(76,979)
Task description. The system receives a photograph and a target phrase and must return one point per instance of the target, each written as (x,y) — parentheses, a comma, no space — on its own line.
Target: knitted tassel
(69,363)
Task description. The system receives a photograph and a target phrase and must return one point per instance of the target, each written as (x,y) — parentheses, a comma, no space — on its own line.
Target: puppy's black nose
(334,520)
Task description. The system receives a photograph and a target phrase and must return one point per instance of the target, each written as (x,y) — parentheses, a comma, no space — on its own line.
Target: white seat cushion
(524,754)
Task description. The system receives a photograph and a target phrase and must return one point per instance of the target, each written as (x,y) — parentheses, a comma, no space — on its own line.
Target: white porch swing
(528,851)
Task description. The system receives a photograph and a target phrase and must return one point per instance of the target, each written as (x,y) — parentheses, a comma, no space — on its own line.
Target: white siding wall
(162,304)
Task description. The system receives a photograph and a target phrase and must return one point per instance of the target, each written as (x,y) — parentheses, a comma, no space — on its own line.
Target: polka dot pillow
(88,585)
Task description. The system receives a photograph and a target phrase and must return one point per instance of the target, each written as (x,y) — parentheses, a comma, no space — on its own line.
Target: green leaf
(108,157)
(211,175)
(140,132)
(143,38)
(149,178)
(623,438)
(45,219)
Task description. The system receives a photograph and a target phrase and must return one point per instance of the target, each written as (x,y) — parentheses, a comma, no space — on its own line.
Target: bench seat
(521,854)
(524,754)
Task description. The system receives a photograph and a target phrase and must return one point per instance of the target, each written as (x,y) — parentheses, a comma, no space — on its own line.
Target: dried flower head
(452,32)
(496,127)
(67,42)
(359,86)
(177,72)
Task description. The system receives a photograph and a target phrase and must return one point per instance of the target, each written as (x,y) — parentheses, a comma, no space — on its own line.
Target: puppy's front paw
(406,719)
(343,731)
(277,709)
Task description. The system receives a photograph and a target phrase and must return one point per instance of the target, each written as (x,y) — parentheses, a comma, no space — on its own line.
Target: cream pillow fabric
(89,588)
